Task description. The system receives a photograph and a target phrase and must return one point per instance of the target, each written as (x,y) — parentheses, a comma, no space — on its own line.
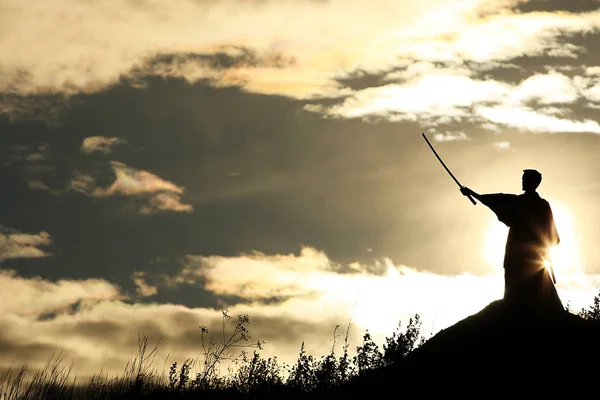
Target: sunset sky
(164,159)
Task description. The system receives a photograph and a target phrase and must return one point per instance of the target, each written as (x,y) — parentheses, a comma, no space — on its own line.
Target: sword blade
(440,160)
(445,167)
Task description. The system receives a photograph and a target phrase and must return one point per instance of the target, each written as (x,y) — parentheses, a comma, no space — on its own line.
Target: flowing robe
(531,234)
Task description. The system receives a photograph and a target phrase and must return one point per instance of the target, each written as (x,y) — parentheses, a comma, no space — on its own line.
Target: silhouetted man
(531,234)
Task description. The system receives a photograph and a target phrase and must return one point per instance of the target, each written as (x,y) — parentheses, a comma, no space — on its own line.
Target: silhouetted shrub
(257,374)
(303,374)
(593,312)
(368,356)
(400,344)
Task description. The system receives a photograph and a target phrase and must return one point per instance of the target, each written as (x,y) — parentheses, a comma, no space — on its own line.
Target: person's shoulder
(544,202)
(541,199)
(532,196)
(505,195)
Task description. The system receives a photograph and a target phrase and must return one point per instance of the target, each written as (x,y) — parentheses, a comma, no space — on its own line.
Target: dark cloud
(359,80)
(100,331)
(24,350)
(175,65)
(575,6)
(46,108)
(190,295)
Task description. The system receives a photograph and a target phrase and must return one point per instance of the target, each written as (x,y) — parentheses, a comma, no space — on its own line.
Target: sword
(446,168)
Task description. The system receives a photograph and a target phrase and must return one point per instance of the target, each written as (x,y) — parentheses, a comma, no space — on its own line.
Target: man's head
(531,179)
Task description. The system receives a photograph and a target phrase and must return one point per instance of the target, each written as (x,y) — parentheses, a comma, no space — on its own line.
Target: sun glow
(564,258)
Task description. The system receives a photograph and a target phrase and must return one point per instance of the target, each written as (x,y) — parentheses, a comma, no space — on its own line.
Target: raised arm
(500,203)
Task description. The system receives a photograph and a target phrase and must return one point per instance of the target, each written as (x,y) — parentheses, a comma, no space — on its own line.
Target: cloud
(457,33)
(306,282)
(414,70)
(120,39)
(166,201)
(450,136)
(37,185)
(14,244)
(82,183)
(101,42)
(428,52)
(34,157)
(443,97)
(502,146)
(157,194)
(91,323)
(34,305)
(143,289)
(500,35)
(130,181)
(528,119)
(440,95)
(589,87)
(264,276)
(491,127)
(594,70)
(95,324)
(546,89)
(35,297)
(36,154)
(100,144)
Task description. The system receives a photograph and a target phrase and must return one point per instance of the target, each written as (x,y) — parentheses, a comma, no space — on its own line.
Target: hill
(503,349)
